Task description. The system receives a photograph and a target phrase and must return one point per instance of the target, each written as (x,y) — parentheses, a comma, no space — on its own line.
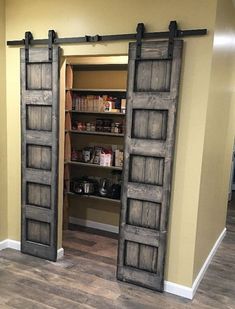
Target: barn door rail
(140,35)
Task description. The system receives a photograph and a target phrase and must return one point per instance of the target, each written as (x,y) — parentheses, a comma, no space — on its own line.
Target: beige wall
(80,17)
(219,136)
(3,124)
(86,209)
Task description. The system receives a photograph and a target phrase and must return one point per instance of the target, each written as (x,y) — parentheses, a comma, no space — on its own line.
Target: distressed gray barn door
(149,144)
(39,128)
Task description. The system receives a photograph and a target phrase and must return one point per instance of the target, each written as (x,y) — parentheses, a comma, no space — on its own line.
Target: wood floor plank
(86,278)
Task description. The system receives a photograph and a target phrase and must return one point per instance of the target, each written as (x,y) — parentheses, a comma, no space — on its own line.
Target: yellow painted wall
(3,125)
(80,17)
(219,136)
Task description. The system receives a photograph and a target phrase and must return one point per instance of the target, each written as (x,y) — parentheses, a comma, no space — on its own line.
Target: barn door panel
(153,84)
(39,128)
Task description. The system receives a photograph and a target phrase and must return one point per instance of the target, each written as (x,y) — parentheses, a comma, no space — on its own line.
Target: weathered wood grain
(38,138)
(142,235)
(39,123)
(39,157)
(153,83)
(135,208)
(39,194)
(144,192)
(132,253)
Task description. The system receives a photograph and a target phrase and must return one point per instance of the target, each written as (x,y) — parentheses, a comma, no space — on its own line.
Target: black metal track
(109,38)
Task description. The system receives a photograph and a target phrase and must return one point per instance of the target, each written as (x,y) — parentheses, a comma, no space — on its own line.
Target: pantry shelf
(95,197)
(114,92)
(96,113)
(96,133)
(93,165)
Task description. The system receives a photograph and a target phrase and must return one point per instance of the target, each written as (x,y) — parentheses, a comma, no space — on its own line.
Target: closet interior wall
(92,86)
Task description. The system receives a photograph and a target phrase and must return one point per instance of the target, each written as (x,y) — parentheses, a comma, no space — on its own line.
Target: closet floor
(93,245)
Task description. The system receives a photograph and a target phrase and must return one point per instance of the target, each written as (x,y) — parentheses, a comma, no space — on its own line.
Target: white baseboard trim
(94,225)
(14,244)
(9,243)
(178,289)
(188,292)
(60,253)
(3,244)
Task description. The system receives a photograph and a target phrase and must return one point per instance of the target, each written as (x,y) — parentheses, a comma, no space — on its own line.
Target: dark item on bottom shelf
(103,125)
(76,155)
(84,186)
(117,103)
(103,189)
(114,191)
(76,187)
(87,153)
(99,125)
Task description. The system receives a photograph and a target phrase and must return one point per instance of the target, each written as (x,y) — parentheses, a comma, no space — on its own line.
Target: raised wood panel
(39,76)
(149,124)
(151,215)
(132,253)
(152,75)
(39,117)
(134,212)
(38,232)
(38,195)
(141,256)
(148,258)
(39,157)
(144,214)
(147,170)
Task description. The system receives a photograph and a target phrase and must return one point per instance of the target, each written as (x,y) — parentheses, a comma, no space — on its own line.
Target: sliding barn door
(39,128)
(153,84)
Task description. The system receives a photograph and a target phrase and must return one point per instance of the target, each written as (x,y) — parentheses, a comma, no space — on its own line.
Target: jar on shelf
(107,125)
(74,125)
(92,127)
(88,126)
(113,127)
(117,127)
(83,126)
(79,126)
(99,125)
(74,155)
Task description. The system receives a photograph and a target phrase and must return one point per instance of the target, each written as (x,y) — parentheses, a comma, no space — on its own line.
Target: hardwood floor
(85,278)
(231,215)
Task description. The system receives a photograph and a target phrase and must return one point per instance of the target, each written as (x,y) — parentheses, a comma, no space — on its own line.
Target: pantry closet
(95,108)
